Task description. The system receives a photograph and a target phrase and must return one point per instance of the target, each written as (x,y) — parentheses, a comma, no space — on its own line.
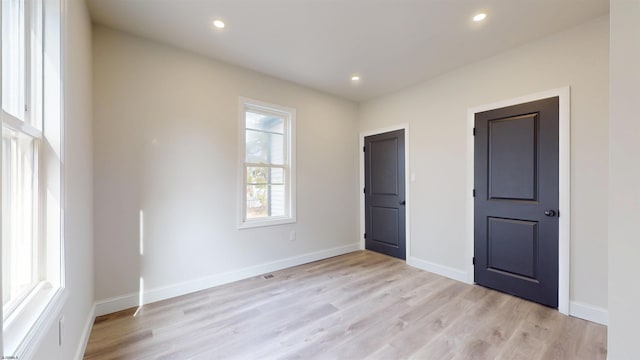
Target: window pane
(13,58)
(265,201)
(19,248)
(264,175)
(277,200)
(277,176)
(36,74)
(263,147)
(262,122)
(257,201)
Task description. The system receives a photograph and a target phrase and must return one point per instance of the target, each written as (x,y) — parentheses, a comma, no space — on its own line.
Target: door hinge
(474,131)
(474,192)
(365,235)
(364,190)
(473,261)
(364,149)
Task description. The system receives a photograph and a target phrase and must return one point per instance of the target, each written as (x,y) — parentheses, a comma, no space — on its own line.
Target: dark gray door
(516,200)
(384,193)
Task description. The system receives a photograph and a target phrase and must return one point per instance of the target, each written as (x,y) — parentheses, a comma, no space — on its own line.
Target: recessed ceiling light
(219,24)
(479,17)
(355,78)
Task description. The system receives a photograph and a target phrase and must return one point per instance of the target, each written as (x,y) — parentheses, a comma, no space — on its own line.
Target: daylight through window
(31,192)
(267,164)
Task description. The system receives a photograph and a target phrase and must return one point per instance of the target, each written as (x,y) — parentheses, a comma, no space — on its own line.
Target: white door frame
(564,231)
(407,206)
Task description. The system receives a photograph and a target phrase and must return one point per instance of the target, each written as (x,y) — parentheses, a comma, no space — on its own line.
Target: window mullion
(269,197)
(280,166)
(39,241)
(264,131)
(285,140)
(287,180)
(13,209)
(15,201)
(20,126)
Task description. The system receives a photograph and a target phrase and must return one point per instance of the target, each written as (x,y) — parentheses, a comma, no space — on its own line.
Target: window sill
(266,222)
(25,328)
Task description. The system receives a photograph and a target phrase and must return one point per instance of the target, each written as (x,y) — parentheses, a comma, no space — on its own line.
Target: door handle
(550,213)
(402,202)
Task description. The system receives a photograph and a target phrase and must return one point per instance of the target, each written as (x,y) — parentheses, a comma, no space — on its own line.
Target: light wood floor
(359,305)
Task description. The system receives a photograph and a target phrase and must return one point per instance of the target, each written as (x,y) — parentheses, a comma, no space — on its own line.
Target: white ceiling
(391,44)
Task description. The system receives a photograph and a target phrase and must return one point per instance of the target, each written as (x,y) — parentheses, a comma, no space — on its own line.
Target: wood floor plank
(336,325)
(422,329)
(355,306)
(527,339)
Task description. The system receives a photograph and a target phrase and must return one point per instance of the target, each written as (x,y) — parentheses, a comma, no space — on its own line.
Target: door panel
(385,193)
(512,158)
(516,182)
(513,246)
(385,225)
(384,167)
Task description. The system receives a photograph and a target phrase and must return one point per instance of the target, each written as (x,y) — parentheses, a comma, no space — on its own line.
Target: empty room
(308,179)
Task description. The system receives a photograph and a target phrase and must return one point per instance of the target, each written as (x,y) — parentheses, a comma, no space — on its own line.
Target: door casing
(564,226)
(407,182)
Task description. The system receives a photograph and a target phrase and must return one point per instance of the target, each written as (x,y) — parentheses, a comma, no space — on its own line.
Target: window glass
(263,122)
(19,240)
(265,175)
(264,147)
(13,58)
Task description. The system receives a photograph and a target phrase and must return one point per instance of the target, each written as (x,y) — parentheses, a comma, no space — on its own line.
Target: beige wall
(436,112)
(78,228)
(165,143)
(624,182)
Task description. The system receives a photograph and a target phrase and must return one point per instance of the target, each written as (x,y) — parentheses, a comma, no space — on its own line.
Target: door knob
(402,202)
(550,213)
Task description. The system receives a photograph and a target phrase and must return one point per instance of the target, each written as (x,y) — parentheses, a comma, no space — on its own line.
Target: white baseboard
(445,271)
(86,332)
(589,312)
(118,303)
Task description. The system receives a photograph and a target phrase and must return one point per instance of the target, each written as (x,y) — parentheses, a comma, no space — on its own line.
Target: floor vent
(267,276)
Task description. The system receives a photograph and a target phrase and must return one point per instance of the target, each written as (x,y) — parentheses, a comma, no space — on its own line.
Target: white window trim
(1,166)
(25,328)
(20,126)
(290,180)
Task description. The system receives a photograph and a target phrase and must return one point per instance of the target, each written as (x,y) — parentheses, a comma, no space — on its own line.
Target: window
(30,192)
(268,166)
(20,218)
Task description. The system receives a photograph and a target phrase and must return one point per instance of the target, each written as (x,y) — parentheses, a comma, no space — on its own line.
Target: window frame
(39,307)
(289,117)
(24,128)
(37,240)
